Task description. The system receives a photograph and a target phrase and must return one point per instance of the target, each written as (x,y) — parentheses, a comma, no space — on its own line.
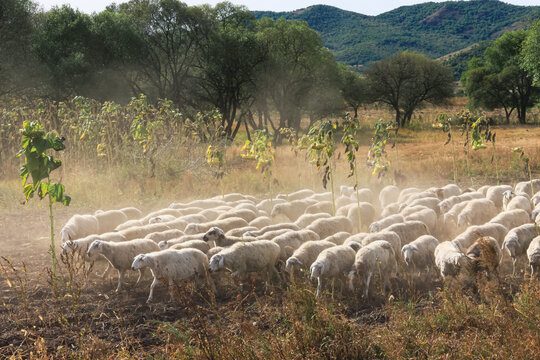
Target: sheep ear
(221,262)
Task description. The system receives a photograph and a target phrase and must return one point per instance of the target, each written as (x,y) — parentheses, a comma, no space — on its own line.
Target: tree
(353,88)
(531,52)
(407,80)
(499,80)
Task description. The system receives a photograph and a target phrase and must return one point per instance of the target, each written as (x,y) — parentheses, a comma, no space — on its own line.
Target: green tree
(499,80)
(531,52)
(353,88)
(407,80)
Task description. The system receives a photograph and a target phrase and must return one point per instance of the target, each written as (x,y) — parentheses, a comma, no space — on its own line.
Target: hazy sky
(367,7)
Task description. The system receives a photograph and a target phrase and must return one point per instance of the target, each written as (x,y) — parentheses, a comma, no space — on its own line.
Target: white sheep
(525,187)
(533,254)
(483,189)
(193,219)
(377,257)
(390,209)
(290,211)
(343,201)
(164,235)
(205,204)
(389,194)
(361,214)
(429,202)
(221,239)
(386,222)
(267,205)
(160,212)
(79,226)
(244,257)
(330,226)
(192,244)
(409,210)
(211,214)
(270,228)
(469,236)
(161,219)
(450,217)
(496,194)
(484,254)
(245,214)
(213,251)
(517,241)
(367,238)
(447,204)
(320,207)
(139,232)
(297,195)
(449,259)
(272,234)
(306,254)
(409,230)
(449,190)
(168,243)
(190,211)
(260,222)
(477,212)
(511,219)
(420,253)
(406,193)
(172,266)
(239,232)
(427,216)
(292,240)
(337,238)
(109,220)
(519,202)
(132,212)
(178,224)
(224,224)
(129,224)
(121,254)
(332,263)
(318,197)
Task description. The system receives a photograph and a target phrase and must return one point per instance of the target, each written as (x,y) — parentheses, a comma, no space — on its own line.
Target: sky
(366,7)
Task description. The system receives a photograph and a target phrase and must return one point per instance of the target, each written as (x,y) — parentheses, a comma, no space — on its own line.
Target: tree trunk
(356,113)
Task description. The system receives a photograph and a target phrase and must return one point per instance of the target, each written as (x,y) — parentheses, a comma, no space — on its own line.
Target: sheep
(79,226)
(447,204)
(318,197)
(160,212)
(291,210)
(161,219)
(292,240)
(450,217)
(306,219)
(247,206)
(193,219)
(406,193)
(213,251)
(427,216)
(429,202)
(191,210)
(268,204)
(346,191)
(484,254)
(178,224)
(245,214)
(477,212)
(469,236)
(386,222)
(129,224)
(363,195)
(211,214)
(409,230)
(525,187)
(244,257)
(164,235)
(483,189)
(297,195)
(337,238)
(361,214)
(306,254)
(172,265)
(511,219)
(367,238)
(205,204)
(409,210)
(388,195)
(426,194)
(332,263)
(264,230)
(533,254)
(449,259)
(109,220)
(332,225)
(221,239)
(224,224)
(519,202)
(320,207)
(495,194)
(376,257)
(192,244)
(390,209)
(182,239)
(121,254)
(272,234)
(239,232)
(517,241)
(536,199)
(132,212)
(260,222)
(448,191)
(343,201)
(140,232)
(420,253)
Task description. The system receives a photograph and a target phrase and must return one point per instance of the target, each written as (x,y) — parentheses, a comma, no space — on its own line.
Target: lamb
(409,230)
(449,259)
(496,194)
(192,244)
(132,212)
(79,226)
(172,265)
(109,220)
(525,187)
(375,258)
(121,254)
(140,232)
(477,212)
(485,254)
(332,263)
(80,246)
(427,216)
(420,254)
(511,219)
(292,240)
(260,222)
(386,222)
(297,195)
(517,241)
(164,235)
(219,238)
(245,214)
(306,254)
(388,195)
(337,238)
(533,253)
(321,207)
(244,257)
(264,230)
(224,224)
(332,225)
(291,210)
(469,236)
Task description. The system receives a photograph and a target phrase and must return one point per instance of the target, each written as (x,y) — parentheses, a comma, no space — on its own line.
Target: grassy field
(82,317)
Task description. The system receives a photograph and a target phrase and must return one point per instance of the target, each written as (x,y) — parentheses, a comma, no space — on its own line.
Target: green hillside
(435,29)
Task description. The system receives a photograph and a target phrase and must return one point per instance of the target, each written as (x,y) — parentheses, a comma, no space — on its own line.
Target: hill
(435,29)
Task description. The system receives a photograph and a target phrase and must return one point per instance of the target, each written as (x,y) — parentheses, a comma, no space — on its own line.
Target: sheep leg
(120,279)
(351,283)
(333,285)
(319,287)
(514,260)
(368,280)
(151,295)
(106,271)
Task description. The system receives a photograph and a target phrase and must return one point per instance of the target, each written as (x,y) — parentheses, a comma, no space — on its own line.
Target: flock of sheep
(409,231)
